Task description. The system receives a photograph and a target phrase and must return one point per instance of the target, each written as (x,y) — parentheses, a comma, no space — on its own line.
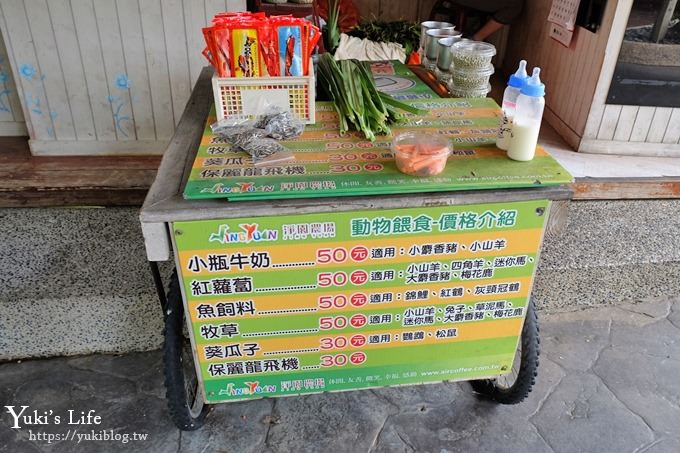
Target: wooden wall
(112,76)
(11,116)
(413,10)
(577,80)
(105,76)
(627,129)
(570,74)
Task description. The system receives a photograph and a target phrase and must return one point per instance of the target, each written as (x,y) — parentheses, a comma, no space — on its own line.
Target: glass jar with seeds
(471,79)
(472,54)
(474,93)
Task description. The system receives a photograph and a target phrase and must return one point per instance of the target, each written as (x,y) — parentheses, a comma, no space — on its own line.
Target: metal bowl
(428,25)
(444,51)
(431,38)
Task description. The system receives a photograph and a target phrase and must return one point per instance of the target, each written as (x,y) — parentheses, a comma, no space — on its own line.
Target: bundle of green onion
(350,85)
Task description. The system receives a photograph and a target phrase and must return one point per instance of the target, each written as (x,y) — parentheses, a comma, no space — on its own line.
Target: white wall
(11,115)
(107,77)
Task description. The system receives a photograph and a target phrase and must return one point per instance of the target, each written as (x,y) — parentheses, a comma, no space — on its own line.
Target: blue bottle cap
(520,76)
(533,86)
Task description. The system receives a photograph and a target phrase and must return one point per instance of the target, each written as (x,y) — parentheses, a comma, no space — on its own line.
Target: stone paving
(608,382)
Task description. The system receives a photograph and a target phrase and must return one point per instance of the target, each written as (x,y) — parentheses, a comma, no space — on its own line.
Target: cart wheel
(513,388)
(182,389)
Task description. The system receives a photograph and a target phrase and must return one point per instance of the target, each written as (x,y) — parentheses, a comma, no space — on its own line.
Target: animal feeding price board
(328,164)
(298,304)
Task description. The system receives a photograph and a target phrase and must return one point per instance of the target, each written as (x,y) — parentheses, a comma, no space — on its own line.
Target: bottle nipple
(533,86)
(520,76)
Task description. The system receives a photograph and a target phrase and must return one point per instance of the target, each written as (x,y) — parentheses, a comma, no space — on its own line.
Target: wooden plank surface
(27,75)
(27,180)
(157,67)
(659,124)
(236,5)
(425,8)
(672,134)
(582,44)
(624,126)
(103,71)
(402,10)
(621,148)
(115,70)
(626,189)
(610,119)
(570,74)
(614,25)
(194,21)
(95,73)
(178,60)
(213,7)
(132,39)
(72,69)
(663,19)
(176,161)
(56,105)
(369,8)
(643,121)
(10,106)
(431,80)
(589,76)
(582,110)
(13,129)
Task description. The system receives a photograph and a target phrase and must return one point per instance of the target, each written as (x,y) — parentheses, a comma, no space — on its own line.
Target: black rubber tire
(527,354)
(185,401)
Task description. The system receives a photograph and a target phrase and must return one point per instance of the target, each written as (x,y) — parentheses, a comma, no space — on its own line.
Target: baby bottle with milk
(527,121)
(508,106)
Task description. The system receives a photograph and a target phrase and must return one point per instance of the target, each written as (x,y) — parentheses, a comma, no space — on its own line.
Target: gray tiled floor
(607,383)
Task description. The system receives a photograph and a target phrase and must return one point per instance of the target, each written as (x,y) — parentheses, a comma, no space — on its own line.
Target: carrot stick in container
(419,154)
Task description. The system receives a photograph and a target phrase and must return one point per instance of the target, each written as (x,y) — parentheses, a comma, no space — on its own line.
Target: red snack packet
(244,44)
(268,50)
(211,48)
(245,51)
(222,38)
(208,56)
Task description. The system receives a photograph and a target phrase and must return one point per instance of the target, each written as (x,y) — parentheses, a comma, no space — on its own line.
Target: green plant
(332,28)
(403,32)
(351,87)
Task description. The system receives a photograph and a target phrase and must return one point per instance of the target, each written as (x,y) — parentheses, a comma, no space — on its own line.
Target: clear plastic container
(472,54)
(472,79)
(476,93)
(420,154)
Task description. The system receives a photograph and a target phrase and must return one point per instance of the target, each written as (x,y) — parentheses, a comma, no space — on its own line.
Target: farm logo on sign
(249,232)
(253,388)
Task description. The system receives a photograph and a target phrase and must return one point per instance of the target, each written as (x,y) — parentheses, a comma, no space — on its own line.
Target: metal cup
(428,25)
(431,38)
(444,52)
